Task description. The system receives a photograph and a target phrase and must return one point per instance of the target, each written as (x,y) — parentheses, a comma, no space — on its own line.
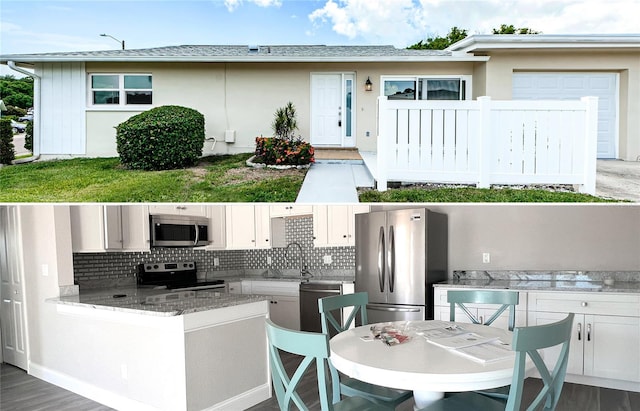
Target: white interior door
(326,109)
(12,315)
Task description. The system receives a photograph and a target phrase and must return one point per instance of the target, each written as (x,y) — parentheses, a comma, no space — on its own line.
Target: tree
(456,34)
(510,29)
(17,92)
(440,43)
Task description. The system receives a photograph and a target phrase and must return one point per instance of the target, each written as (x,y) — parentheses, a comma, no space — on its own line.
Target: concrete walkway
(618,179)
(334,181)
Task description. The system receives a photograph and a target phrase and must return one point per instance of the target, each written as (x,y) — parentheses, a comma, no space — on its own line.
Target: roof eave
(541,41)
(25,59)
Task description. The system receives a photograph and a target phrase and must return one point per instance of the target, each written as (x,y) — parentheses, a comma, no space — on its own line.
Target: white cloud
(382,21)
(231,5)
(404,22)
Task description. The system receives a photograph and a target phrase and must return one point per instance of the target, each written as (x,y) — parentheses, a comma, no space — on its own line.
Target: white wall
(542,236)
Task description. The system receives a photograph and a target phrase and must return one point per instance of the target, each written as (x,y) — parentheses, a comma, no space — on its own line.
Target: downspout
(36,110)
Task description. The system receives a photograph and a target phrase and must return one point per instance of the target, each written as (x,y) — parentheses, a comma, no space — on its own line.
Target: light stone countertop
(567,280)
(134,300)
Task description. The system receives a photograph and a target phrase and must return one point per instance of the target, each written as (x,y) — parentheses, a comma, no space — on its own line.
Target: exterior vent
(254,49)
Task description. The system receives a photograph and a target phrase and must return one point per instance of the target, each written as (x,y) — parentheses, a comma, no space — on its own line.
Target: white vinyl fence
(485,142)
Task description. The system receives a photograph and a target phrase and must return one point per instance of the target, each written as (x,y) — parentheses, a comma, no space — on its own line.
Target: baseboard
(603,382)
(89,391)
(245,400)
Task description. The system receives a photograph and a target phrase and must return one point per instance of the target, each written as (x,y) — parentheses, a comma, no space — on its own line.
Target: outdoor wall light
(368,85)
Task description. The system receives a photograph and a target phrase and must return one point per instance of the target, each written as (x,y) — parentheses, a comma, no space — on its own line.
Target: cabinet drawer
(290,288)
(440,298)
(585,303)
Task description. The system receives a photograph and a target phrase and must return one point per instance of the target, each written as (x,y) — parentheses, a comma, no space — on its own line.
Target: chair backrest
(527,341)
(314,347)
(326,305)
(508,299)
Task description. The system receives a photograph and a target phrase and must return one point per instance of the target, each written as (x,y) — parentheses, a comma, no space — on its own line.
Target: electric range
(175,276)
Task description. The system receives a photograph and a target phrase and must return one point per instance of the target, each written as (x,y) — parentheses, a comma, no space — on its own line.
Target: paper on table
(442,332)
(460,341)
(487,352)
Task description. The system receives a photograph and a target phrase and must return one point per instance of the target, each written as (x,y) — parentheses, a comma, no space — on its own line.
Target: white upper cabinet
(217,227)
(247,227)
(288,210)
(334,225)
(179,209)
(97,228)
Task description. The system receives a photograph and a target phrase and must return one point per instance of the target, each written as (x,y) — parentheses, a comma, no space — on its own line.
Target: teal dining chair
(507,299)
(314,347)
(388,397)
(526,342)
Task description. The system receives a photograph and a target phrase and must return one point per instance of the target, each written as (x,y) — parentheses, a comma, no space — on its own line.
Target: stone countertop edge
(544,285)
(133,303)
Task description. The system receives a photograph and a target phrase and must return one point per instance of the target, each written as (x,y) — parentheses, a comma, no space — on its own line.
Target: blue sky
(51,25)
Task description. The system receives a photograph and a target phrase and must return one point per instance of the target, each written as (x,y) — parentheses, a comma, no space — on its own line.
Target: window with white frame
(426,88)
(120,89)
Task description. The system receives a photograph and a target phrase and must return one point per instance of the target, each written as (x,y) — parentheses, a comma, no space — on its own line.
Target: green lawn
(215,179)
(471,195)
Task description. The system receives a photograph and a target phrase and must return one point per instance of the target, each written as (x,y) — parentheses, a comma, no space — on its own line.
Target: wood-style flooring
(22,392)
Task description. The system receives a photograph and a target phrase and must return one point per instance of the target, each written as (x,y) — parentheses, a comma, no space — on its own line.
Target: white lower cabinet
(234,287)
(606,334)
(284,300)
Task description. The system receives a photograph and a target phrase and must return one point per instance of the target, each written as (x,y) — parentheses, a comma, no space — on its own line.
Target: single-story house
(81,96)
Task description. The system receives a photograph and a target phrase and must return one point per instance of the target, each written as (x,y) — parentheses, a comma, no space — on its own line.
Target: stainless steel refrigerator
(400,254)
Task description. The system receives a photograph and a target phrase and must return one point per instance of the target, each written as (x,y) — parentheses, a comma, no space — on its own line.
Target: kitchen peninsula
(149,349)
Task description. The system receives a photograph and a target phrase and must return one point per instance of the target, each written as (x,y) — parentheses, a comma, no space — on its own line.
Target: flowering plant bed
(275,151)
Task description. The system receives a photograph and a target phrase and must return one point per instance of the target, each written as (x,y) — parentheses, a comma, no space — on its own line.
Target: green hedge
(28,137)
(7,149)
(162,138)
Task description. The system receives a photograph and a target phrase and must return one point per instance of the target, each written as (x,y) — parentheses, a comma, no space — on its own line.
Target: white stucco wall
(244,97)
(502,65)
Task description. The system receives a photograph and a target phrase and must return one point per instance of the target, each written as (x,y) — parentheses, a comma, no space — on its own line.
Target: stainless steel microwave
(178,231)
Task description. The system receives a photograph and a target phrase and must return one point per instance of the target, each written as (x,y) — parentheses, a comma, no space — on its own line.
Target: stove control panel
(168,267)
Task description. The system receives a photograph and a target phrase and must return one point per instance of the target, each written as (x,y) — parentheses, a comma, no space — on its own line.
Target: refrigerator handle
(381,259)
(393,309)
(391,259)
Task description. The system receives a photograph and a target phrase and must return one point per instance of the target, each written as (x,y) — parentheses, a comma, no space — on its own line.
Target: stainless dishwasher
(309,294)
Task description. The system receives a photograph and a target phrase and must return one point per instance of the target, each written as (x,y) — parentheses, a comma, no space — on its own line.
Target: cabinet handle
(579,331)
(584,304)
(344,236)
(588,332)
(481,320)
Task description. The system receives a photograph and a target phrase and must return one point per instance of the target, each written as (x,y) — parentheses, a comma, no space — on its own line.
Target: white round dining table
(418,365)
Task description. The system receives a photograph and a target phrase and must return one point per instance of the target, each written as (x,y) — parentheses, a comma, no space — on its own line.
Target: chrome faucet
(304,271)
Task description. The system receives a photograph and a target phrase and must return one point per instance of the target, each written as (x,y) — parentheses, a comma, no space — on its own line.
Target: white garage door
(570,86)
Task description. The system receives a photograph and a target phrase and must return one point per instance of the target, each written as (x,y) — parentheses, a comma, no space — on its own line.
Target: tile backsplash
(107,269)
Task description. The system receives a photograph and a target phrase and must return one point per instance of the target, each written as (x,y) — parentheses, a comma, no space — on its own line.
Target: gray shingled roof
(214,53)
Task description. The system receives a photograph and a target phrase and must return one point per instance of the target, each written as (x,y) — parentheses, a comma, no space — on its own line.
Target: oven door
(179,231)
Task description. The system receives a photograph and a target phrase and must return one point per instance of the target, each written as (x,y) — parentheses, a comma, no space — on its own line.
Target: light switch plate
(327,259)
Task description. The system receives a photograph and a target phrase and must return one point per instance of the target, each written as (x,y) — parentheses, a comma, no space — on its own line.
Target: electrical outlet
(268,260)
(216,261)
(486,258)
(327,259)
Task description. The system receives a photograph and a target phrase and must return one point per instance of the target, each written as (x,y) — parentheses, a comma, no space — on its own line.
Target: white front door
(12,315)
(332,99)
(573,86)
